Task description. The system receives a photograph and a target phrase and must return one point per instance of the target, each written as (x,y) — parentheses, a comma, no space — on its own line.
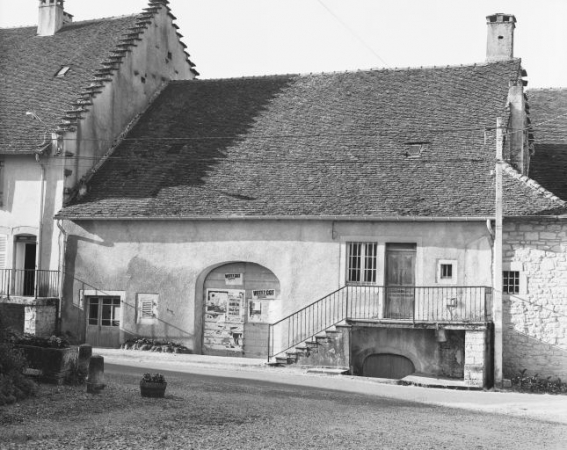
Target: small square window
(511,282)
(446,270)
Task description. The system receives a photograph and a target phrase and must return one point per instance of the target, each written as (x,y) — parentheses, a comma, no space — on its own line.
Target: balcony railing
(29,283)
(398,304)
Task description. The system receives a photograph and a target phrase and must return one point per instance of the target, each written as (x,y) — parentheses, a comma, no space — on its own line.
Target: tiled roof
(28,65)
(548,113)
(343,144)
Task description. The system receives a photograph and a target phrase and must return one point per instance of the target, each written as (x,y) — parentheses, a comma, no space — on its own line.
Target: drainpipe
(39,228)
(497,278)
(62,248)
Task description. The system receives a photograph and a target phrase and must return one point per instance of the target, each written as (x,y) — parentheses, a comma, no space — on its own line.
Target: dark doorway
(400,281)
(29,269)
(387,366)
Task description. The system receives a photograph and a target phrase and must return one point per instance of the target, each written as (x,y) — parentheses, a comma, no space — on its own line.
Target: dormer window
(62,71)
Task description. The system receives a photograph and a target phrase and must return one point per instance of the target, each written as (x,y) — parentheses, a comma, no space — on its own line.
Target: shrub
(538,384)
(14,385)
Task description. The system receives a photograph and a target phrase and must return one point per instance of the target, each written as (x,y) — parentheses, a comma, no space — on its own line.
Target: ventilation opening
(500,37)
(143,79)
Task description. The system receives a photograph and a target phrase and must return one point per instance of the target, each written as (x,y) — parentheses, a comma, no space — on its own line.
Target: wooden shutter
(3,248)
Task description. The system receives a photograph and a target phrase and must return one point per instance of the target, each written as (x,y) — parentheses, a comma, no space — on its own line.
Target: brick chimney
(51,17)
(500,37)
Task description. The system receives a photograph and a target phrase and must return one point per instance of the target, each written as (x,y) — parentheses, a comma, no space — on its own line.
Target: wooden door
(400,281)
(103,321)
(387,366)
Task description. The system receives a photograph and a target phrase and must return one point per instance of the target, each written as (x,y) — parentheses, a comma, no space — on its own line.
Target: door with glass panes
(103,321)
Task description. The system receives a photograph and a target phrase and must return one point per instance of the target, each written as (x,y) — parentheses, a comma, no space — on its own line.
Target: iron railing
(29,283)
(409,304)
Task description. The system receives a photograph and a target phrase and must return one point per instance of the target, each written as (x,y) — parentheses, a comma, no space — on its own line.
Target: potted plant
(153,385)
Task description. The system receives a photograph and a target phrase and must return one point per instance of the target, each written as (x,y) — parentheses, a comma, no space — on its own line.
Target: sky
(235,38)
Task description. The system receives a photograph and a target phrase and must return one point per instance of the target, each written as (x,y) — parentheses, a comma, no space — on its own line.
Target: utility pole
(497,266)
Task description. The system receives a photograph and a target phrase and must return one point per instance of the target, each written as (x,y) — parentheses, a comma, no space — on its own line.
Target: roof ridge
(557,88)
(369,70)
(531,183)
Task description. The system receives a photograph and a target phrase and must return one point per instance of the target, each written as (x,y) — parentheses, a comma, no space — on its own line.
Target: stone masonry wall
(535,320)
(475,358)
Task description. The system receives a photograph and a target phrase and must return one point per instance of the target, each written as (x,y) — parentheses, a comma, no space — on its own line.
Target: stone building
(68,93)
(378,220)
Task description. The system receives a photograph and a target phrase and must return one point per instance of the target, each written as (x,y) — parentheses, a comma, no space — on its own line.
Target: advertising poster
(264,294)
(235,301)
(233,279)
(257,311)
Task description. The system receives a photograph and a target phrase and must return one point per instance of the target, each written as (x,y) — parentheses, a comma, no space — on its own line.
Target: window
(104,311)
(62,71)
(511,282)
(147,307)
(446,270)
(361,263)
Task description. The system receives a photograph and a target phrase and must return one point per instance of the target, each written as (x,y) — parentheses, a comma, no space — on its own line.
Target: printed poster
(233,279)
(258,311)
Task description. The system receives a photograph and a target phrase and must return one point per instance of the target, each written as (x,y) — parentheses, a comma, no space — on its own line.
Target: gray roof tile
(314,145)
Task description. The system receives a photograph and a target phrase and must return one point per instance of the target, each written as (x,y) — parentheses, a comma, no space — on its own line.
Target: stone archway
(387,365)
(239,299)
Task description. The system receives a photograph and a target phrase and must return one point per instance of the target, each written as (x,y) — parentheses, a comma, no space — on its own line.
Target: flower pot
(155,390)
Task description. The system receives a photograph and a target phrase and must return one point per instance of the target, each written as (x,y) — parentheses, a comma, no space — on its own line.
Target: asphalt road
(223,412)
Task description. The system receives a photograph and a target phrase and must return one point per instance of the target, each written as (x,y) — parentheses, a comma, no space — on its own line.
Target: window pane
(370,262)
(93,311)
(354,261)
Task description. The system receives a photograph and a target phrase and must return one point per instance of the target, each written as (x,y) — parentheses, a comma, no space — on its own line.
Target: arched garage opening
(387,365)
(239,302)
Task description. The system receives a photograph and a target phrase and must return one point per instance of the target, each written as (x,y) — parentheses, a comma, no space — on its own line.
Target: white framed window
(361,262)
(446,271)
(147,307)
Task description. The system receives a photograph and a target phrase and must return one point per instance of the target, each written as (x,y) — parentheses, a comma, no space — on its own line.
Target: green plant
(155,378)
(14,385)
(538,384)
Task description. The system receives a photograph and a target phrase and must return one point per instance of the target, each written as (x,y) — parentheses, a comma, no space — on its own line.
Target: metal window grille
(511,282)
(361,262)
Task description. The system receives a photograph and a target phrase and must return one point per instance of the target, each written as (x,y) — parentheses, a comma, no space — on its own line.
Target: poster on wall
(233,279)
(235,306)
(215,307)
(224,317)
(258,311)
(264,294)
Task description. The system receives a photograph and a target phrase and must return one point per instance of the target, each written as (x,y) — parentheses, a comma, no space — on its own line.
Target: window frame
(515,279)
(454,271)
(367,263)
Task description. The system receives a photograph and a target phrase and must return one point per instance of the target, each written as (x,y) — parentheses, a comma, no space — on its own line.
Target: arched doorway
(239,300)
(387,365)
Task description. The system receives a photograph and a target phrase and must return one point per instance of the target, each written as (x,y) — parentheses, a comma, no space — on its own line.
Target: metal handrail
(29,283)
(416,304)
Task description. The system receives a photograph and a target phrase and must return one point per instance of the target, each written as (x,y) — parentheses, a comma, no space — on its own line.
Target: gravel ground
(204,412)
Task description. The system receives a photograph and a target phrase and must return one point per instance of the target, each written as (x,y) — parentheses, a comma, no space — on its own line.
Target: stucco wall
(535,320)
(420,346)
(173,258)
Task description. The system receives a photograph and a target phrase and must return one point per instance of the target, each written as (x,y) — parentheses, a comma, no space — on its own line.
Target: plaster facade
(30,198)
(173,259)
(535,319)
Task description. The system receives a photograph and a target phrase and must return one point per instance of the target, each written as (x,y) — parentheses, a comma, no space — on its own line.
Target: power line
(362,41)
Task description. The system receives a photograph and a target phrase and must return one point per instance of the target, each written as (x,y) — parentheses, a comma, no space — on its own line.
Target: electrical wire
(362,41)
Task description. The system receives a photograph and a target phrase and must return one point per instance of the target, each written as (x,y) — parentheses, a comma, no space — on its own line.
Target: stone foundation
(33,316)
